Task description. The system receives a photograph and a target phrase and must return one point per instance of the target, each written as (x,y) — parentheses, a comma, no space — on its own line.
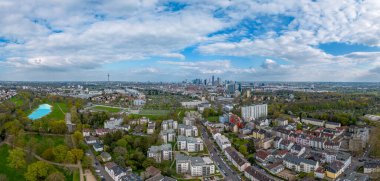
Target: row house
(236,158)
(263,156)
(258,133)
(254,174)
(285,145)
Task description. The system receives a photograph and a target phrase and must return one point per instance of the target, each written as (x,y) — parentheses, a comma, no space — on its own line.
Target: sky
(160,40)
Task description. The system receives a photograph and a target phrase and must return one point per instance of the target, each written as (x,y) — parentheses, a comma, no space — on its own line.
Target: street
(97,166)
(225,170)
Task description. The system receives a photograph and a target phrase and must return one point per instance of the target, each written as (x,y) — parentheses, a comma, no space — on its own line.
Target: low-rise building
(98,147)
(162,152)
(115,171)
(312,121)
(332,125)
(372,167)
(105,157)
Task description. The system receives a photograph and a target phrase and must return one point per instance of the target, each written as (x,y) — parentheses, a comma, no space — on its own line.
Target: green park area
(106,109)
(154,112)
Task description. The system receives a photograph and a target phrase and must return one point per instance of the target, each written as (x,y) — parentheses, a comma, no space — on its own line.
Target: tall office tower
(254,111)
(213,80)
(205,81)
(218,82)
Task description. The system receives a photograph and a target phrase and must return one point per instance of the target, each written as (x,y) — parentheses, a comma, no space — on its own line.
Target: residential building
(372,167)
(187,130)
(162,152)
(151,127)
(189,144)
(113,123)
(254,174)
(105,157)
(169,124)
(254,111)
(114,171)
(195,166)
(300,164)
(281,122)
(313,121)
(297,150)
(98,147)
(168,135)
(222,141)
(236,158)
(258,133)
(332,125)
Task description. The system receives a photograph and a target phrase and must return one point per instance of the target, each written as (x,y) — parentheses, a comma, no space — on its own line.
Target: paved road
(98,167)
(228,173)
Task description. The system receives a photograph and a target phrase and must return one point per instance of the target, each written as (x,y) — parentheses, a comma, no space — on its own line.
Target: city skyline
(171,41)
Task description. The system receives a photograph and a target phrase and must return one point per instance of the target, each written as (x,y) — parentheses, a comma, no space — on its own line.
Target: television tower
(108,75)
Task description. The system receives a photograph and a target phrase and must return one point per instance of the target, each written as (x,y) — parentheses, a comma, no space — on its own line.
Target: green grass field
(57,140)
(11,173)
(154,112)
(106,109)
(56,112)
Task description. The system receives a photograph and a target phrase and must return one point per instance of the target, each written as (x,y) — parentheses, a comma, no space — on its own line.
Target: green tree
(38,171)
(78,154)
(16,158)
(70,158)
(58,127)
(243,150)
(60,152)
(78,137)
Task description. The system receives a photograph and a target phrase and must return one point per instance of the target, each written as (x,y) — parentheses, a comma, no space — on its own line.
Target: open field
(106,109)
(154,112)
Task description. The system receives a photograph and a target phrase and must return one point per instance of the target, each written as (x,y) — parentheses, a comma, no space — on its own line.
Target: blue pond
(43,110)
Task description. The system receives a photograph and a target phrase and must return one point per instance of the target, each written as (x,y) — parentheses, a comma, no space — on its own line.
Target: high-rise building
(254,111)
(213,80)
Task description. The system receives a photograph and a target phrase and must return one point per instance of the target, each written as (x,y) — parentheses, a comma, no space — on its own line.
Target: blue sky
(161,40)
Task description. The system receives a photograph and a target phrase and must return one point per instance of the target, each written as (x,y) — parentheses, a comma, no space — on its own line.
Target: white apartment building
(187,130)
(162,152)
(254,111)
(169,124)
(113,123)
(300,164)
(195,166)
(189,144)
(222,141)
(168,135)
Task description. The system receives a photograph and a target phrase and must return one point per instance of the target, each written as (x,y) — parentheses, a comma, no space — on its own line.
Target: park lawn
(11,173)
(154,112)
(106,109)
(41,139)
(56,112)
(76,176)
